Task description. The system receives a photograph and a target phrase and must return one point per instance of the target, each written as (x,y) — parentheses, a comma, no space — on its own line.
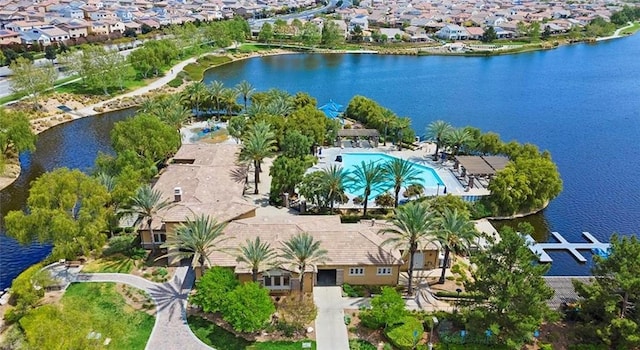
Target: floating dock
(539,249)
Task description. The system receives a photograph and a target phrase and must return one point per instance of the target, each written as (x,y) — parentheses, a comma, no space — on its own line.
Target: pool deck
(422,155)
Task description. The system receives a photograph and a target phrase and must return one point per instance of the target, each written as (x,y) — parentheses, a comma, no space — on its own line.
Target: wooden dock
(539,249)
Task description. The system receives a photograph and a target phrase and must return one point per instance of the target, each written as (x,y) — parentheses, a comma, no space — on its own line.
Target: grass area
(220,339)
(117,263)
(87,308)
(195,71)
(247,48)
(80,89)
(632,29)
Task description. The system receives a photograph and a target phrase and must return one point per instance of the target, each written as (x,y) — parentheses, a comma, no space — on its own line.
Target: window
(356,271)
(384,271)
(159,237)
(276,282)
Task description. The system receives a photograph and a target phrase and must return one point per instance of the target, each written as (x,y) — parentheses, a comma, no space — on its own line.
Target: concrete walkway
(331,331)
(170,330)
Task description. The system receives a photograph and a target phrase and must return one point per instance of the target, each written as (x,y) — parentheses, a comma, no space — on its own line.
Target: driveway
(170,330)
(331,332)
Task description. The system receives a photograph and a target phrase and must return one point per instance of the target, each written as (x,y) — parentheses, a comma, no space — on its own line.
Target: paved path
(616,34)
(170,330)
(331,332)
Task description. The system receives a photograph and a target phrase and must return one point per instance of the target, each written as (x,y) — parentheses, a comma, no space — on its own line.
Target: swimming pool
(428,177)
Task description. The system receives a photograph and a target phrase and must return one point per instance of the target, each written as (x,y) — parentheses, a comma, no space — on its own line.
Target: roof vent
(177,194)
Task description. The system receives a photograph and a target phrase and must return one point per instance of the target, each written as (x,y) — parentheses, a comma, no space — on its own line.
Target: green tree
(310,122)
(608,311)
(236,127)
(213,287)
(50,53)
(455,233)
(401,173)
(368,177)
(30,79)
(302,251)
(195,239)
(146,203)
(65,207)
(440,204)
(296,145)
(489,35)
(333,184)
(489,143)
(280,29)
(258,144)
(438,131)
(458,138)
(258,255)
(16,132)
(195,95)
(332,36)
(216,93)
(147,136)
(413,224)
(533,31)
(245,89)
(266,33)
(387,117)
(248,308)
(387,309)
(286,173)
(311,35)
(313,188)
(514,293)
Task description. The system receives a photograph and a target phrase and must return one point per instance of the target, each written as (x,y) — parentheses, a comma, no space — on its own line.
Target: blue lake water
(580,102)
(428,178)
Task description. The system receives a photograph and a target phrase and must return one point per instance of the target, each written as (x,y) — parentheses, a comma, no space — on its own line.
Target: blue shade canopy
(331,109)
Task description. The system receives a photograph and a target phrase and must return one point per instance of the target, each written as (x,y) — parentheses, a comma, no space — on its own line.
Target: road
(299,15)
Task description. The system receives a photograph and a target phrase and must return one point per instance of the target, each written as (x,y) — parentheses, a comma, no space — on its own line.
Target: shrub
(23,293)
(176,82)
(213,287)
(386,310)
(385,200)
(248,307)
(402,336)
(125,245)
(360,344)
(297,313)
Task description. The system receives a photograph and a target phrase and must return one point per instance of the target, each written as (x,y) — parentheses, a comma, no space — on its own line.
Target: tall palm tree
(334,179)
(301,251)
(259,143)
(458,138)
(216,91)
(280,105)
(229,100)
(368,177)
(438,130)
(196,238)
(109,182)
(147,202)
(401,125)
(455,233)
(256,254)
(245,89)
(386,118)
(401,172)
(195,94)
(412,224)
(176,115)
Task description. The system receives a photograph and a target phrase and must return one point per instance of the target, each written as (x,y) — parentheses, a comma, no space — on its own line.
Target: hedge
(402,336)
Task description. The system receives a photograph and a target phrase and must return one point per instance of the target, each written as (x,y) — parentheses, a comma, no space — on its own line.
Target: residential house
(201,180)
(99,28)
(393,34)
(359,20)
(8,37)
(71,12)
(475,33)
(452,32)
(76,28)
(23,26)
(100,15)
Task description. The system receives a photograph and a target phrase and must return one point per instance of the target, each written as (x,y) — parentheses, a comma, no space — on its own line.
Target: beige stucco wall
(430,260)
(370,276)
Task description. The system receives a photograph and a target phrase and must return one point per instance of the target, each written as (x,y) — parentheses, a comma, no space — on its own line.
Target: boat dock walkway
(539,249)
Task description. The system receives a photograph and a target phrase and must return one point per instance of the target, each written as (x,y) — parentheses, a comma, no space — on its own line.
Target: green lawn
(88,309)
(117,263)
(195,71)
(632,29)
(220,339)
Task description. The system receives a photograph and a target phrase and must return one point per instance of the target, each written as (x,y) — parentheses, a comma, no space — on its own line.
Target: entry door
(339,277)
(418,260)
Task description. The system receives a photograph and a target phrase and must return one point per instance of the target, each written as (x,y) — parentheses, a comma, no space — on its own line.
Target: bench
(73,263)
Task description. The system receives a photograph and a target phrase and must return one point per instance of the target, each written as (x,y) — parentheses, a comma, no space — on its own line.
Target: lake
(579,102)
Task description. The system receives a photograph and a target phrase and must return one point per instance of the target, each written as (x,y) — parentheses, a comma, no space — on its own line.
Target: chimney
(177,194)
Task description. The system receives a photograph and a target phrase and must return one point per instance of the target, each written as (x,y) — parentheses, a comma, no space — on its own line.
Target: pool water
(428,177)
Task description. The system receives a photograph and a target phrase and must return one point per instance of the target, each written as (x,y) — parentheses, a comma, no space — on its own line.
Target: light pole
(435,322)
(438,189)
(458,301)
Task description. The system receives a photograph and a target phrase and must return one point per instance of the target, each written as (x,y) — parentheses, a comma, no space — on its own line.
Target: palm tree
(256,254)
(109,182)
(367,176)
(386,118)
(216,90)
(259,143)
(455,233)
(401,172)
(229,100)
(413,223)
(147,202)
(176,115)
(458,138)
(245,89)
(196,238)
(195,94)
(301,251)
(401,125)
(333,180)
(438,131)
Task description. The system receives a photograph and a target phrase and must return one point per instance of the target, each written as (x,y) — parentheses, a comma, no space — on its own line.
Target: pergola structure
(480,166)
(370,134)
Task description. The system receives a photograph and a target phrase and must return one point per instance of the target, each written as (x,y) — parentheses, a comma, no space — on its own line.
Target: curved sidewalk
(170,330)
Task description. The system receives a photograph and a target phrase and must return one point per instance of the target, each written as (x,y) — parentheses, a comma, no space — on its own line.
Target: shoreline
(128,100)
